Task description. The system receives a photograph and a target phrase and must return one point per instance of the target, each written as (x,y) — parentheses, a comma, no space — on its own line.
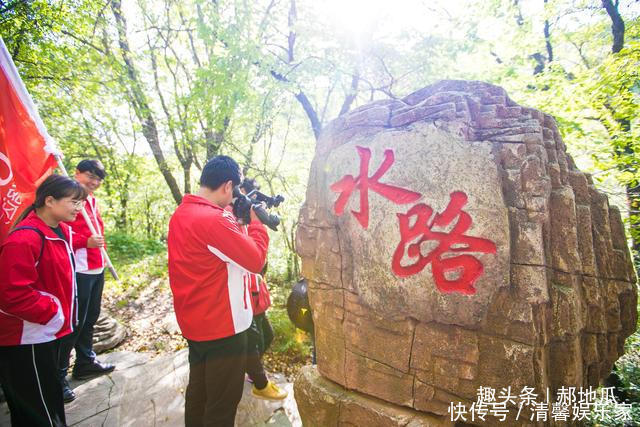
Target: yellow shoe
(270,392)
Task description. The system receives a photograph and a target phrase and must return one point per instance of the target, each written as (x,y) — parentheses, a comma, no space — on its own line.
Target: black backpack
(298,307)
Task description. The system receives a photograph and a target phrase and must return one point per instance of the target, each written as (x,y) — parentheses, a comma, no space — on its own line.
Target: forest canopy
(153,88)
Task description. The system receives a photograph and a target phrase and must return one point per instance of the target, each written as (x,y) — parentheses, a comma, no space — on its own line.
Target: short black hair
(94,166)
(218,171)
(249,184)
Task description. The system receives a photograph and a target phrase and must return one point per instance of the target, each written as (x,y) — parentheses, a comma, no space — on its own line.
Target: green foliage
(126,248)
(287,338)
(227,77)
(606,417)
(628,368)
(136,273)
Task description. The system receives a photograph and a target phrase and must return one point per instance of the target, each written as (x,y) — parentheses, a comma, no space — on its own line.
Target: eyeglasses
(77,203)
(93,177)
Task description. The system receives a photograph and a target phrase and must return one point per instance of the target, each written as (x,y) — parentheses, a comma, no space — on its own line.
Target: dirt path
(148,318)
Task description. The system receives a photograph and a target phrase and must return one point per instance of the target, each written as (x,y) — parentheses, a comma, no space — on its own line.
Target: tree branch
(617,25)
(311,113)
(547,37)
(348,100)
(141,105)
(85,42)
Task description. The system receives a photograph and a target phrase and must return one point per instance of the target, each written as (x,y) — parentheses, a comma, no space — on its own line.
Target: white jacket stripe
(239,294)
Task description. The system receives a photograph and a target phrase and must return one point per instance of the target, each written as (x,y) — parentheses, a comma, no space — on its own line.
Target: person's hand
(95,241)
(254,217)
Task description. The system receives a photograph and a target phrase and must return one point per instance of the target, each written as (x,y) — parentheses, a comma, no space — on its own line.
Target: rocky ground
(151,326)
(147,389)
(148,385)
(147,316)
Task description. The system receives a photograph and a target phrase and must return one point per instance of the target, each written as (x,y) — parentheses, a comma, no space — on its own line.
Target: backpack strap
(37,230)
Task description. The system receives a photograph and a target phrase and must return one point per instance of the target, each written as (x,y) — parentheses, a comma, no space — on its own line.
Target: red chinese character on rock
(416,228)
(363,183)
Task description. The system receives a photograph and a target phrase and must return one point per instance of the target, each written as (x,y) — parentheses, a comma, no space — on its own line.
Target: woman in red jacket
(37,302)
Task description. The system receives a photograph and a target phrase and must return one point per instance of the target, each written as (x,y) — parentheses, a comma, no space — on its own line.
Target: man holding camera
(210,260)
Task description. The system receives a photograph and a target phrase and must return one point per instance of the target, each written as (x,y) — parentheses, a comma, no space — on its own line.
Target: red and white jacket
(37,296)
(260,296)
(87,259)
(210,262)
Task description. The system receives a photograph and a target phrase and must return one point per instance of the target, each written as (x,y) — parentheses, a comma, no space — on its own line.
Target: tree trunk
(632,190)
(547,38)
(122,220)
(316,126)
(186,158)
(617,25)
(633,198)
(187,180)
(147,208)
(141,105)
(214,139)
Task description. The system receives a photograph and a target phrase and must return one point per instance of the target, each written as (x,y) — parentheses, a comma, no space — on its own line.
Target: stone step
(146,391)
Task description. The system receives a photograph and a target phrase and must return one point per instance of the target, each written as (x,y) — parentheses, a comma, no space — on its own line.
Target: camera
(242,207)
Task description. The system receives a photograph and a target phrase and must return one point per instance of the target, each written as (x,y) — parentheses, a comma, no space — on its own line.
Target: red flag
(26,149)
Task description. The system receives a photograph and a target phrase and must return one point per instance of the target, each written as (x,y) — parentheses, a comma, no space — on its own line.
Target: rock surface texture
(107,333)
(450,243)
(143,391)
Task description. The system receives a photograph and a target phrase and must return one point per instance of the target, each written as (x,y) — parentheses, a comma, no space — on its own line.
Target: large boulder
(450,243)
(324,403)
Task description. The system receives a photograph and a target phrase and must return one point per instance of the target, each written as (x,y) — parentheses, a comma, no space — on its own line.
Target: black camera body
(242,207)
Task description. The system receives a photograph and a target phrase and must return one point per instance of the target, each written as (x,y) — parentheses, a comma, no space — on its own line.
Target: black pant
(89,299)
(260,336)
(28,374)
(216,380)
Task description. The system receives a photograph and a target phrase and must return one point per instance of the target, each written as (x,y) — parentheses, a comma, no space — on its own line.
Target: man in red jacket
(210,261)
(90,279)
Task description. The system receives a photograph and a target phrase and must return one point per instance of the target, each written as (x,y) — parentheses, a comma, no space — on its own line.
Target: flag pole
(93,230)
(7,66)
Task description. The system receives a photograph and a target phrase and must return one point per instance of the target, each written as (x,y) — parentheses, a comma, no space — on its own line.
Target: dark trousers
(89,299)
(216,381)
(28,374)
(260,336)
